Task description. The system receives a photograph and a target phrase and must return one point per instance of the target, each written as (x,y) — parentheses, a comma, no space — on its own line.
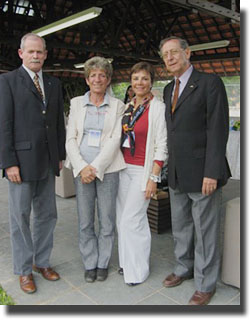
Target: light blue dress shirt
(94,120)
(183,80)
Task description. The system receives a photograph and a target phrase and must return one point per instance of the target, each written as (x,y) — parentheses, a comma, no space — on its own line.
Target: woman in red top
(144,146)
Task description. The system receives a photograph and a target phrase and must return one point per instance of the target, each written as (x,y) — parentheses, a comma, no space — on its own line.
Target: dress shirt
(32,74)
(94,120)
(183,80)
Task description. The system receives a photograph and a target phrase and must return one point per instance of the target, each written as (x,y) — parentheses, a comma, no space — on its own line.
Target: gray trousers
(32,247)
(96,249)
(195,227)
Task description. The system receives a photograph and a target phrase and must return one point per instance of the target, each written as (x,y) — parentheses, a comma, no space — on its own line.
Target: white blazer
(110,158)
(156,145)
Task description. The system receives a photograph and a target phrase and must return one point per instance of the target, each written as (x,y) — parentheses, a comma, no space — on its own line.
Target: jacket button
(43,112)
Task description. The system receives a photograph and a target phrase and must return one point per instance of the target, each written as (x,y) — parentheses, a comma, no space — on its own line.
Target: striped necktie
(37,85)
(176,94)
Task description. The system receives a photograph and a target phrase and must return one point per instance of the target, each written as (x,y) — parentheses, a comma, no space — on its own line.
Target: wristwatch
(155,178)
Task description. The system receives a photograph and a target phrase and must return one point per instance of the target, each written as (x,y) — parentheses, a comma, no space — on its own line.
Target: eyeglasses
(173,52)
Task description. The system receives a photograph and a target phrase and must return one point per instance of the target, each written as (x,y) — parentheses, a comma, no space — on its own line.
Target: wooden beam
(121,26)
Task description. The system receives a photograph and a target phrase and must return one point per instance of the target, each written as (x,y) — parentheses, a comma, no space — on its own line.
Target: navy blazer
(32,134)
(197,133)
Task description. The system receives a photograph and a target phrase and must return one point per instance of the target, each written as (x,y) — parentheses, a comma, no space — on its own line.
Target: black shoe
(90,275)
(120,271)
(102,274)
(131,284)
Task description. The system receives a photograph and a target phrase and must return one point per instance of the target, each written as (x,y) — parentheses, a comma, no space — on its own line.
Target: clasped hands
(88,174)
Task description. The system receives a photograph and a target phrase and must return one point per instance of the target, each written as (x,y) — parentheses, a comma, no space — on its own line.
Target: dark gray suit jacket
(197,133)
(32,134)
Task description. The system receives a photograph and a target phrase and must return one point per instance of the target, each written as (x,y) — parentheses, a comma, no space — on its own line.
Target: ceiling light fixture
(210,45)
(69,21)
(79,65)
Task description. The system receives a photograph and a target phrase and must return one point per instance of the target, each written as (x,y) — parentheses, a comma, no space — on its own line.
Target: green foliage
(5,299)
(236,126)
(119,89)
(232,85)
(230,80)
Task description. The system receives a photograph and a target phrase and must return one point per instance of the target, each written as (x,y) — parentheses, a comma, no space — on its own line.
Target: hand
(13,174)
(88,174)
(60,165)
(150,189)
(209,186)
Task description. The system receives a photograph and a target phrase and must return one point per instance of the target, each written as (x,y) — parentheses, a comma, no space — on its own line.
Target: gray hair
(31,35)
(98,63)
(183,43)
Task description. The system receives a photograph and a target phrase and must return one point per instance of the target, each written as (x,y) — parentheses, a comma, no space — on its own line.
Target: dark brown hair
(143,66)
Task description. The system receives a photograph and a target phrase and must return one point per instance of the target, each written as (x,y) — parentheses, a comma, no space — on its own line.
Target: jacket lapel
(47,88)
(28,83)
(168,95)
(81,116)
(109,118)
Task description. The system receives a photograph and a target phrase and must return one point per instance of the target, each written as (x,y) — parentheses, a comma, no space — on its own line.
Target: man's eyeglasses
(173,52)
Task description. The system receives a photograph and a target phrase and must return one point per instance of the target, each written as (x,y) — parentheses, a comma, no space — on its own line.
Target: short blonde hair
(98,63)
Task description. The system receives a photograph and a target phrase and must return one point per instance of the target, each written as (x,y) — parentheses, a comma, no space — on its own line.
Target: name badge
(94,138)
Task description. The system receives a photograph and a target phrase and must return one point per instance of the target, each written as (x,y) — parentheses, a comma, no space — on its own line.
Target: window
(23,7)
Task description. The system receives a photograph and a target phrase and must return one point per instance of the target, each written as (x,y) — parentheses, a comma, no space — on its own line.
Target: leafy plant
(5,299)
(236,126)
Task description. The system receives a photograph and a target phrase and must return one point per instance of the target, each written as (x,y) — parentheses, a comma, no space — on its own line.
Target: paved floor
(72,289)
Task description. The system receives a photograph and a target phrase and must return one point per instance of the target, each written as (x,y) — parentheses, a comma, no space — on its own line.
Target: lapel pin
(191,86)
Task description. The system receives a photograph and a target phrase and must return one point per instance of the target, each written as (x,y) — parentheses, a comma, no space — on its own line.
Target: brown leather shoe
(173,280)
(27,283)
(201,298)
(47,273)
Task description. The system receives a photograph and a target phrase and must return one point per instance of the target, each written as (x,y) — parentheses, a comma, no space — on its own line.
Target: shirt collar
(185,76)
(32,73)
(87,102)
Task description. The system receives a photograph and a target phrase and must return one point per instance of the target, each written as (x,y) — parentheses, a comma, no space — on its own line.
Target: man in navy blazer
(198,125)
(32,147)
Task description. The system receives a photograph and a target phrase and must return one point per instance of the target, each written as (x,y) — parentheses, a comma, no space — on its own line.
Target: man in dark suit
(32,147)
(197,121)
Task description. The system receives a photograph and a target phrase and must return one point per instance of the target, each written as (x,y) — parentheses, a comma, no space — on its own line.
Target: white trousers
(134,237)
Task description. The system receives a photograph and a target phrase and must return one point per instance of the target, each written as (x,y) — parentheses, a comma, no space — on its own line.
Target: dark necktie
(37,85)
(176,94)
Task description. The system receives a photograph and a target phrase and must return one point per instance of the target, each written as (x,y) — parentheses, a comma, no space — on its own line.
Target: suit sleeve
(217,128)
(61,126)
(8,156)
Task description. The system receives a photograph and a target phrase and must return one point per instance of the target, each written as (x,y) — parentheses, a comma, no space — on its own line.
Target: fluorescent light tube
(69,21)
(210,45)
(79,65)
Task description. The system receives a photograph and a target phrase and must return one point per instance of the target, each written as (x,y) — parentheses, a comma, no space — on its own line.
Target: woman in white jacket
(93,149)
(144,146)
